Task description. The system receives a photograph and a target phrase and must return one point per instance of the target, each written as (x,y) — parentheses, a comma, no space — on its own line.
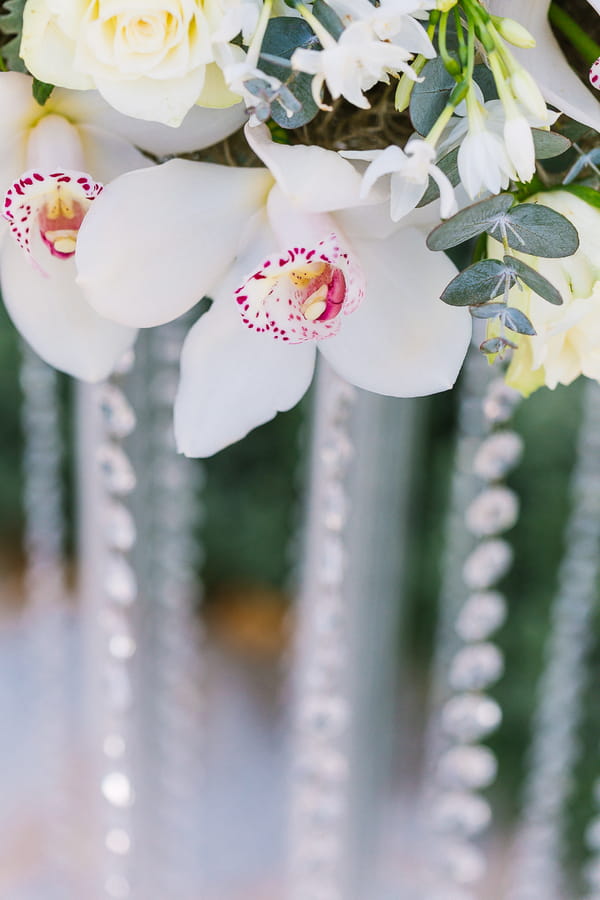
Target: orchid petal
(149,251)
(200,128)
(314,179)
(108,155)
(403,341)
(52,315)
(546,62)
(232,379)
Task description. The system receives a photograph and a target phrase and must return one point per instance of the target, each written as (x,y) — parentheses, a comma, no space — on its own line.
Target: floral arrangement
(407,169)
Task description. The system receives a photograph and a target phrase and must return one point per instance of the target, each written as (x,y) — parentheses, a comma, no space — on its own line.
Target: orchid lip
(301,296)
(52,205)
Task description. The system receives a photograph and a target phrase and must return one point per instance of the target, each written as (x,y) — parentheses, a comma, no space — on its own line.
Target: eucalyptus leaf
(518,321)
(548,143)
(469,222)
(496,345)
(449,166)
(11,23)
(538,284)
(328,18)
(539,231)
(487,310)
(477,284)
(429,96)
(484,78)
(283,35)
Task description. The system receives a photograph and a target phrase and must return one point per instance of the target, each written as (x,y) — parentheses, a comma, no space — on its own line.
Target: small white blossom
(410,170)
(351,65)
(392,20)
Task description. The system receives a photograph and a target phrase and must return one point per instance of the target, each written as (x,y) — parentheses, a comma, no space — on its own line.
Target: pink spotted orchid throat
(47,209)
(300,296)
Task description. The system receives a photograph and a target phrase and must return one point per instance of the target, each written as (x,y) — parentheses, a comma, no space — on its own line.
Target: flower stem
(259,35)
(587,48)
(326,39)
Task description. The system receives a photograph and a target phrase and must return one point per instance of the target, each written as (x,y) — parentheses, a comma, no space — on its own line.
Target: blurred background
(252,502)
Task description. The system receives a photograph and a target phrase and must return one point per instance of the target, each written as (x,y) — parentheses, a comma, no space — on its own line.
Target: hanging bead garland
(46,613)
(458,815)
(119,644)
(537,872)
(320,758)
(171,650)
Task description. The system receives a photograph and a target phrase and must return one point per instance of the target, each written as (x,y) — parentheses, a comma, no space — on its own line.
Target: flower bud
(515,33)
(528,93)
(445,5)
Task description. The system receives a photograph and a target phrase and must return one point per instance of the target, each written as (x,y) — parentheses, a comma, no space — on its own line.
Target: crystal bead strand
(537,869)
(321,714)
(45,617)
(173,642)
(458,814)
(471,427)
(117,624)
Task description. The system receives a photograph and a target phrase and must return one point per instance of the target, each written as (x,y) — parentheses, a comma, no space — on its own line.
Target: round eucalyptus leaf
(469,222)
(539,231)
(518,321)
(477,284)
(538,284)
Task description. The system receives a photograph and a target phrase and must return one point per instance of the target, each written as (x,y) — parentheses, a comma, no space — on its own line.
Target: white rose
(148,58)
(567,342)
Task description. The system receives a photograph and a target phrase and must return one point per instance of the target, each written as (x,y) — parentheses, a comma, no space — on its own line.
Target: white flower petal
(405,195)
(313,179)
(156,240)
(52,315)
(403,341)
(107,155)
(200,128)
(47,50)
(233,380)
(166,101)
(559,84)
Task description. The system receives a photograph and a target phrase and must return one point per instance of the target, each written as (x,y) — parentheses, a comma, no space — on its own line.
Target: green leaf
(496,345)
(588,194)
(518,321)
(539,231)
(538,284)
(283,35)
(469,222)
(477,284)
(449,166)
(484,78)
(429,97)
(487,310)
(548,143)
(41,90)
(326,16)
(11,23)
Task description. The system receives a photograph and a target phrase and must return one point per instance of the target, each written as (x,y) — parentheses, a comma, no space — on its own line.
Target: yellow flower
(567,343)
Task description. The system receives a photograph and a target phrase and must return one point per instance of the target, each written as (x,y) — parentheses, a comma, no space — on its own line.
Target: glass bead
(482,614)
(461,812)
(487,564)
(470,717)
(475,667)
(468,767)
(497,455)
(493,511)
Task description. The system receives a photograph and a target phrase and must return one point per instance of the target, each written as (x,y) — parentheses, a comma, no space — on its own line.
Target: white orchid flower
(546,62)
(410,169)
(53,162)
(293,264)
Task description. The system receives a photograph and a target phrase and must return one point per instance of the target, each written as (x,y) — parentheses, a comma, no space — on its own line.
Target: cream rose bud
(567,342)
(148,58)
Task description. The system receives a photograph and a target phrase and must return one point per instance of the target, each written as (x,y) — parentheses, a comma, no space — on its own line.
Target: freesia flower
(392,20)
(352,64)
(410,169)
(546,62)
(567,339)
(479,130)
(53,162)
(150,60)
(293,263)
